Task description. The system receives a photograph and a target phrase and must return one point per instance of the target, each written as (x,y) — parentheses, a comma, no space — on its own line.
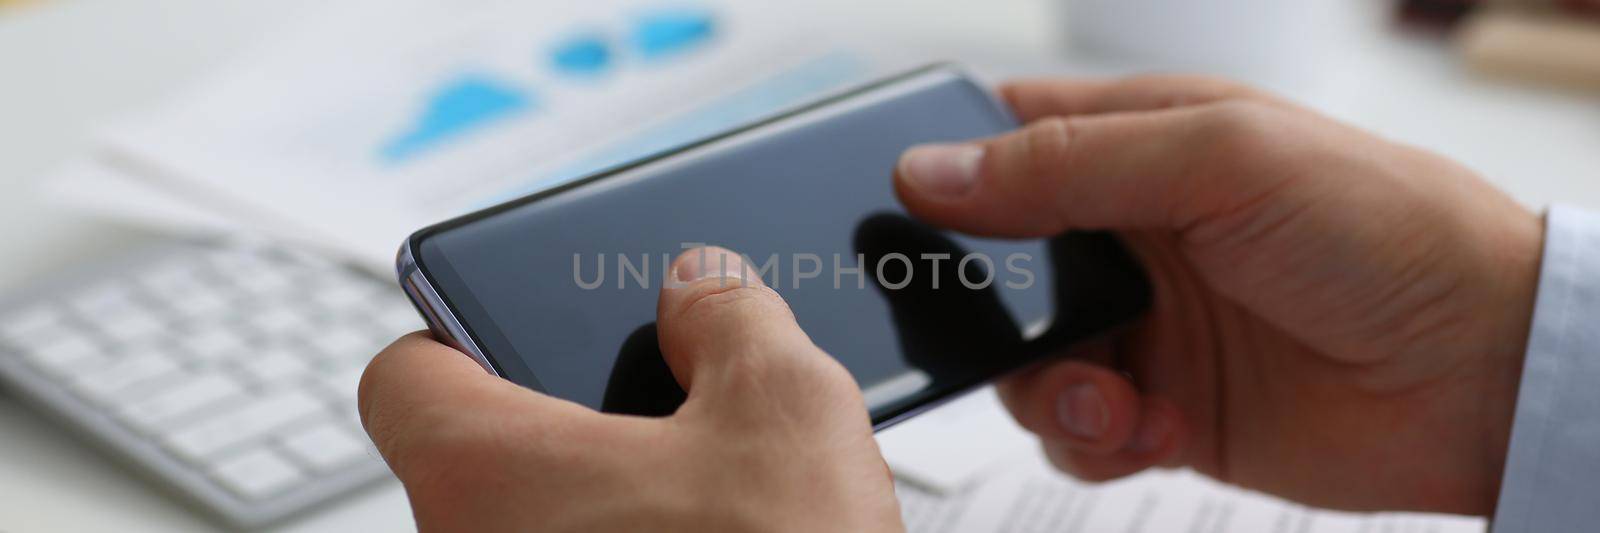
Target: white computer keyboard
(226,371)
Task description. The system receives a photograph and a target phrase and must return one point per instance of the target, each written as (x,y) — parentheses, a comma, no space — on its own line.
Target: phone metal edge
(440,319)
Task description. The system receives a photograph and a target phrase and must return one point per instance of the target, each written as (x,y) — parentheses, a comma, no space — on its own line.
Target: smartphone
(557,291)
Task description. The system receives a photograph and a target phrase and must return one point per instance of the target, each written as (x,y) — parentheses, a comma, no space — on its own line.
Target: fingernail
(706,263)
(942,170)
(1151,436)
(1081,410)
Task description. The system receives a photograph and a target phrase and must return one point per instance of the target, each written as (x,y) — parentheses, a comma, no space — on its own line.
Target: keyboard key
(103,384)
(253,272)
(244,423)
(398,317)
(131,326)
(257,474)
(346,345)
(326,447)
(199,304)
(264,282)
(234,263)
(308,260)
(242,365)
(64,353)
(344,383)
(350,410)
(45,336)
(214,342)
(161,345)
(173,279)
(280,321)
(180,401)
(276,365)
(20,327)
(104,300)
(344,296)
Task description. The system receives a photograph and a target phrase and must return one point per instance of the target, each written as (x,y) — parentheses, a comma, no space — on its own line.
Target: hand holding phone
(773,434)
(556,291)
(1283,355)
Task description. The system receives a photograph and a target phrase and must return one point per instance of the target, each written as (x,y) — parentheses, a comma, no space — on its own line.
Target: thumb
(729,338)
(1146,169)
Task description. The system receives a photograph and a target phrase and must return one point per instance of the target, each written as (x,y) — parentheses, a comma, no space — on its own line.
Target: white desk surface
(68,64)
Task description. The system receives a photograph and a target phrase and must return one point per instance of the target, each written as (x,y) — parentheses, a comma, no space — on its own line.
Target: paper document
(99,187)
(1027,496)
(967,467)
(385,116)
(956,445)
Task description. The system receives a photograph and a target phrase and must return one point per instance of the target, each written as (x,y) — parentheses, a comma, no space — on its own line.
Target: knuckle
(822,371)
(766,367)
(763,366)
(1168,91)
(791,364)
(1236,125)
(1011,92)
(717,298)
(1217,88)
(810,387)
(1045,144)
(1038,158)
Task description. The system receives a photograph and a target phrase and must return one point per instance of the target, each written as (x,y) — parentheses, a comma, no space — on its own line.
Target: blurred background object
(1435,12)
(1252,39)
(1589,8)
(203,197)
(1553,44)
(6,4)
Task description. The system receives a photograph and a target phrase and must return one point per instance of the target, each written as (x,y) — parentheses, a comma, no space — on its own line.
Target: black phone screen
(559,290)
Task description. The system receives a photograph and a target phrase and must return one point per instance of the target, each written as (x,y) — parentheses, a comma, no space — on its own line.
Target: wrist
(1522,251)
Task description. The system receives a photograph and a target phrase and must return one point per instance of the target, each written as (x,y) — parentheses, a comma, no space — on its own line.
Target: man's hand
(773,436)
(1338,319)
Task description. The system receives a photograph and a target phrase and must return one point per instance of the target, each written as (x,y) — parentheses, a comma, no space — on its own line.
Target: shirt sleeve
(1552,476)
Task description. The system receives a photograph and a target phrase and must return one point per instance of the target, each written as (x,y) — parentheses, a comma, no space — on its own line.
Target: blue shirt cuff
(1552,476)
